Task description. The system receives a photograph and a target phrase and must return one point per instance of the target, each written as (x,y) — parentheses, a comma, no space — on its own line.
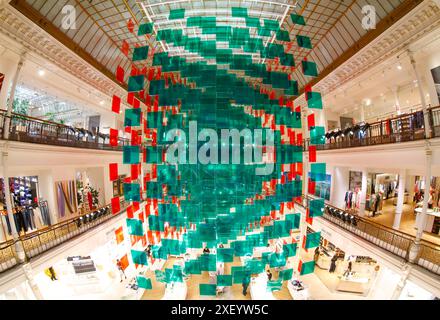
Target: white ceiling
(375,88)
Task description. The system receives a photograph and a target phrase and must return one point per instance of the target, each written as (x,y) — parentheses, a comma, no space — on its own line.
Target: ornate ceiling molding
(34,39)
(421,21)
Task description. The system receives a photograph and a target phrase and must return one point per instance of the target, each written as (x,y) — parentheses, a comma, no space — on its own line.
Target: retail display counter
(353,284)
(431,219)
(298,290)
(176,291)
(258,288)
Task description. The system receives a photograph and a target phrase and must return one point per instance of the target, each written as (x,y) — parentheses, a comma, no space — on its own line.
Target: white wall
(339,186)
(8,66)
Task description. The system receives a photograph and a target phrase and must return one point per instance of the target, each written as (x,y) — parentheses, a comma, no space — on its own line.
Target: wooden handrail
(59,224)
(380,226)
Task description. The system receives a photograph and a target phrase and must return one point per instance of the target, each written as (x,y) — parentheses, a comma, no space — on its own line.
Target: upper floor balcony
(403,128)
(33,130)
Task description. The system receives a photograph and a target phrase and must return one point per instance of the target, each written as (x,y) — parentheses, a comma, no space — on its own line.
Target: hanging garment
(90,200)
(45,213)
(39,217)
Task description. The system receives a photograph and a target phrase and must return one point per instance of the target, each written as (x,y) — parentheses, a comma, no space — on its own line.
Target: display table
(177,291)
(431,216)
(298,293)
(258,288)
(354,285)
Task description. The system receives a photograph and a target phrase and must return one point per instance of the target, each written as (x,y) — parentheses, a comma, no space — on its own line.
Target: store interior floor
(407,224)
(317,289)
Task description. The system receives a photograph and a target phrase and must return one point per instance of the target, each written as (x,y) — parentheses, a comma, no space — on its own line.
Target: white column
(12,95)
(422,96)
(306,175)
(363,192)
(400,199)
(421,220)
(362,111)
(396,99)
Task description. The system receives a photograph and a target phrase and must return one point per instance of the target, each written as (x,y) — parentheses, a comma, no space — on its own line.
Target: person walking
(245,283)
(121,269)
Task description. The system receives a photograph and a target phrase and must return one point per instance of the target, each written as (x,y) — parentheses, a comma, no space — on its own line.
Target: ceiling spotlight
(41,72)
(101,103)
(399,66)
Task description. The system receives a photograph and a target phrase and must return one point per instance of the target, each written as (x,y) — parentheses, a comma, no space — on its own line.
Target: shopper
(269,274)
(245,282)
(206,250)
(51,273)
(121,269)
(316,255)
(333,264)
(348,271)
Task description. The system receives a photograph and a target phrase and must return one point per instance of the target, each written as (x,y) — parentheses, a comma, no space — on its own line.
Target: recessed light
(41,72)
(399,67)
(101,103)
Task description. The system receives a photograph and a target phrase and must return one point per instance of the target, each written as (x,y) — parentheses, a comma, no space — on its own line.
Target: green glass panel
(224,280)
(160,276)
(135,227)
(131,154)
(255,266)
(136,83)
(304,42)
(177,14)
(144,283)
(317,135)
(272,25)
(193,267)
(286,274)
(208,262)
(140,53)
(289,250)
(139,257)
(277,260)
(283,35)
(316,208)
(239,12)
(313,240)
(208,289)
(145,28)
(307,267)
(132,192)
(318,172)
(314,100)
(252,22)
(225,254)
(309,68)
(132,117)
(298,19)
(274,285)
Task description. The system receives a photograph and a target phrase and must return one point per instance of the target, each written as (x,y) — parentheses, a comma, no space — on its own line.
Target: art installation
(216,153)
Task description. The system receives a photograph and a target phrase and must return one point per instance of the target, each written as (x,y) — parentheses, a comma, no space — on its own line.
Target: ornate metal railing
(391,240)
(40,241)
(28,129)
(404,128)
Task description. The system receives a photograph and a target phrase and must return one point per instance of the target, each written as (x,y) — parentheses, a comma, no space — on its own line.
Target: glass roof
(101,26)
(48,107)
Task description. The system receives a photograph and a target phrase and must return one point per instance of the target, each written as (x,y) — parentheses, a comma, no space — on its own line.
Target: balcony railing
(28,129)
(37,242)
(393,241)
(404,128)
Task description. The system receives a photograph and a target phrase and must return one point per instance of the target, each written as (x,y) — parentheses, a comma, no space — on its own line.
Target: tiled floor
(318,290)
